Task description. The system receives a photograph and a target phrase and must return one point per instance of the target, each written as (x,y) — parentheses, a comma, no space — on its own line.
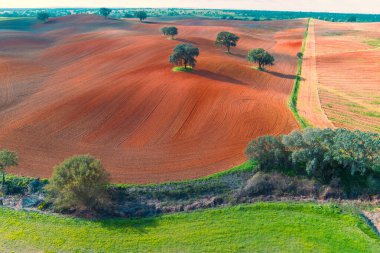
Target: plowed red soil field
(346,70)
(86,85)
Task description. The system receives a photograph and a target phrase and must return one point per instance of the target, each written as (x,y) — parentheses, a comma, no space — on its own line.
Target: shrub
(7,159)
(23,185)
(269,152)
(79,183)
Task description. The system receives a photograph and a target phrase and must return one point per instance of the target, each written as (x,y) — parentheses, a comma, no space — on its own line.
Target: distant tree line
(245,15)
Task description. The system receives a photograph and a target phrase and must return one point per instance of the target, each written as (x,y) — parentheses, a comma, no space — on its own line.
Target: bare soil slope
(82,84)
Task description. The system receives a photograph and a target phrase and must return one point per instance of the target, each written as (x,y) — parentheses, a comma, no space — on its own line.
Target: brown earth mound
(83,84)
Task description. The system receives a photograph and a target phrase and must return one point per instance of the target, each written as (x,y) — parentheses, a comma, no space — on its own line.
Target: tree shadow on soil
(186,41)
(281,75)
(217,77)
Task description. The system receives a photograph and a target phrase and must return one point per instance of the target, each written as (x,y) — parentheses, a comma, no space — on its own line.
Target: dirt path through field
(309,105)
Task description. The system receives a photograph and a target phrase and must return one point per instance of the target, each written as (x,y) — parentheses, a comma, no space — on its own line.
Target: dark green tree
(226,39)
(43,16)
(7,159)
(172,31)
(105,12)
(184,55)
(261,57)
(141,15)
(79,183)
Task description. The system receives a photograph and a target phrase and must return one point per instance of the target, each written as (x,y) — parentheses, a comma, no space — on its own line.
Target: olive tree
(261,57)
(43,16)
(141,15)
(226,39)
(184,55)
(171,30)
(7,159)
(79,183)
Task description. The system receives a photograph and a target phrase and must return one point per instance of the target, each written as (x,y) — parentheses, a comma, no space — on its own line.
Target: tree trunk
(3,184)
(228,49)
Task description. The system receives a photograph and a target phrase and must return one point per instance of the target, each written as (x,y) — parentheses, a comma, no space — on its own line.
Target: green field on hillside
(262,227)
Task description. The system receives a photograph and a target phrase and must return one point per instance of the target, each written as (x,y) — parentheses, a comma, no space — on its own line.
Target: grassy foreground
(262,227)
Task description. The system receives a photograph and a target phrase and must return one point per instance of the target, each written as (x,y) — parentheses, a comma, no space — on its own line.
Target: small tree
(184,55)
(43,16)
(141,15)
(105,12)
(80,183)
(299,55)
(226,39)
(7,159)
(260,56)
(164,30)
(171,30)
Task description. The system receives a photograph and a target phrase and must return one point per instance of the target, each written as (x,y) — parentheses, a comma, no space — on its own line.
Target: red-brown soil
(82,84)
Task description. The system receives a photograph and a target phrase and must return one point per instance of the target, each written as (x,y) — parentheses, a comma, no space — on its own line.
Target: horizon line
(188,8)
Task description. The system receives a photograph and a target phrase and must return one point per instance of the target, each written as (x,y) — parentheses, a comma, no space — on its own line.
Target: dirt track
(82,84)
(308,97)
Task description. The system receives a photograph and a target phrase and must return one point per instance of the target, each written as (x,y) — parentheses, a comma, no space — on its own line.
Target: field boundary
(247,166)
(294,95)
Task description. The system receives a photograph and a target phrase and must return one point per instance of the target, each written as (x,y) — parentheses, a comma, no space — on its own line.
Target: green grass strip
(182,69)
(261,227)
(294,95)
(247,166)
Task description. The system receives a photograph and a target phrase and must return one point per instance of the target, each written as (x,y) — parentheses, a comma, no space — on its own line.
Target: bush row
(350,158)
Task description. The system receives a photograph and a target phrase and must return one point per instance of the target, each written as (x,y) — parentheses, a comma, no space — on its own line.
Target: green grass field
(262,227)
